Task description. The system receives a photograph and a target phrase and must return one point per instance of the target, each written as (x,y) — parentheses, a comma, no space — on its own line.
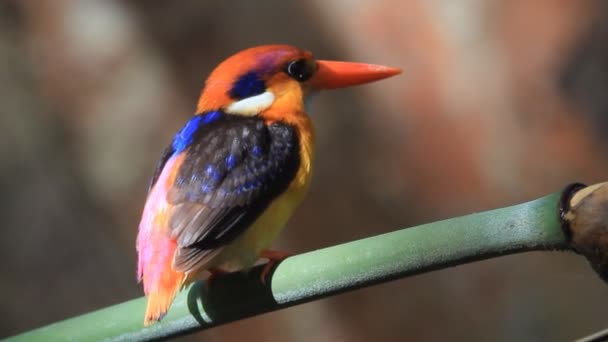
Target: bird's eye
(300,70)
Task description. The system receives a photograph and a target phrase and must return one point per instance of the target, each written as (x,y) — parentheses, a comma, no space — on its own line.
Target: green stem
(306,277)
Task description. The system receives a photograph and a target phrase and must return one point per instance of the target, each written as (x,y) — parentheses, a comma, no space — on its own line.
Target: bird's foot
(273,257)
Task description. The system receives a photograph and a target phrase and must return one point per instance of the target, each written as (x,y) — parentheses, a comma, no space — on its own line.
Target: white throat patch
(252,105)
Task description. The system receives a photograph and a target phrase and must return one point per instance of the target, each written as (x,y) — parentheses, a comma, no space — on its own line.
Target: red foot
(273,258)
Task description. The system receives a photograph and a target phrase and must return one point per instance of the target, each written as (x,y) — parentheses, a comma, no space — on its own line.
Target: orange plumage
(156,248)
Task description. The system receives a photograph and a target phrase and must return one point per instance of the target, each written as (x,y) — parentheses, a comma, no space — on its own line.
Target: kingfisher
(233,175)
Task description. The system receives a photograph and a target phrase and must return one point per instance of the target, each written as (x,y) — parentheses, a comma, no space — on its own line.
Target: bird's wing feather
(160,165)
(231,172)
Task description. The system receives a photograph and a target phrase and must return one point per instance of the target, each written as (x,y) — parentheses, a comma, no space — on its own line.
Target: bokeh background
(500,102)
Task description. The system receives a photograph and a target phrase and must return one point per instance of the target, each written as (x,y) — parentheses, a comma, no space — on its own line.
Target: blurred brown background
(500,102)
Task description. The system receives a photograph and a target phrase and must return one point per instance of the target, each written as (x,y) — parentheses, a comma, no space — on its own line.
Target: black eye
(300,70)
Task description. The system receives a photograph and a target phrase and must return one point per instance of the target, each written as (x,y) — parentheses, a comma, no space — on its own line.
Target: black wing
(232,170)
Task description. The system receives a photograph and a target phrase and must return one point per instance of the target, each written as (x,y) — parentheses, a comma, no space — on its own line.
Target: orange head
(273,79)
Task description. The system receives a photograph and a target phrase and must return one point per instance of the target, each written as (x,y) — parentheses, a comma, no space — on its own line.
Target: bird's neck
(306,137)
(307,151)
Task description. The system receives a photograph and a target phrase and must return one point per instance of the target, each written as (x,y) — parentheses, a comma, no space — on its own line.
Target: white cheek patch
(252,105)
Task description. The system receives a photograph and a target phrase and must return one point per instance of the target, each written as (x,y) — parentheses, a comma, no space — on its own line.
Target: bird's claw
(274,257)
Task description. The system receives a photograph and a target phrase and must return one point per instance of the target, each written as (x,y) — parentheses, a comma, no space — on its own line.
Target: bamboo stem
(302,278)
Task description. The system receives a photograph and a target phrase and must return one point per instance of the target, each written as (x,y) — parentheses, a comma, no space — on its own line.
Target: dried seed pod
(584,214)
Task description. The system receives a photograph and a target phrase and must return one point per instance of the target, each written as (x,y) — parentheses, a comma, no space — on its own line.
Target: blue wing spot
(231,161)
(185,136)
(207,188)
(247,85)
(248,186)
(211,117)
(213,173)
(256,150)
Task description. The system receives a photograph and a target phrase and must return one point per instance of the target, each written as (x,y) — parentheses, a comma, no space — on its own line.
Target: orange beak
(335,74)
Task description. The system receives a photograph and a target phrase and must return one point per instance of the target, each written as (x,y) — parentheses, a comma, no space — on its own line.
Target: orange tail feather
(160,300)
(161,281)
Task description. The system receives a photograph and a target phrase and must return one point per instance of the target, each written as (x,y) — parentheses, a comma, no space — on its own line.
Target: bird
(230,179)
